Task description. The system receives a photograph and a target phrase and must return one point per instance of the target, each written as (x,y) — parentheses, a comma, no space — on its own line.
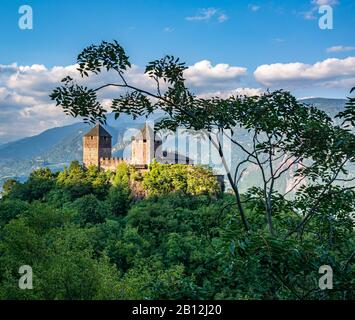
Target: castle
(145,146)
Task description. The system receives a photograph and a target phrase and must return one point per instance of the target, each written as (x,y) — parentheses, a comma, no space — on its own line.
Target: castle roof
(98,131)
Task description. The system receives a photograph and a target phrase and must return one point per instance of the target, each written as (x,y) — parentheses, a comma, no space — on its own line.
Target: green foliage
(38,184)
(80,97)
(62,262)
(125,174)
(8,186)
(10,208)
(175,245)
(77,181)
(348,115)
(119,200)
(153,281)
(166,178)
(89,210)
(106,55)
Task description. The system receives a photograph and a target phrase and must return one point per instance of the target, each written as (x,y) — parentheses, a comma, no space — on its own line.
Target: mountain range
(55,148)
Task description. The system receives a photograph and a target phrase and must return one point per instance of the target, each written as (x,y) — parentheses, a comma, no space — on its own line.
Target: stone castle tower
(97,149)
(145,146)
(96,145)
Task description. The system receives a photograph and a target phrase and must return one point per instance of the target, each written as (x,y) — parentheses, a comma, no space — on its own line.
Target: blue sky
(63,28)
(266,38)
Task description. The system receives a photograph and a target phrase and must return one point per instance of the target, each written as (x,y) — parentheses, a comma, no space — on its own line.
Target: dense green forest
(88,234)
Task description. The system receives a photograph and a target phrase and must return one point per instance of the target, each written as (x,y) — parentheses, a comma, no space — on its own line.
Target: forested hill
(86,236)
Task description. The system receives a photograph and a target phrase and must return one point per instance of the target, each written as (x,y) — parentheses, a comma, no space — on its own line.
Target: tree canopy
(171,245)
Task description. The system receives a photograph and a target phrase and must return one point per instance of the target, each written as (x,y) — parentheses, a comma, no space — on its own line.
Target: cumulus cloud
(26,109)
(340,49)
(25,106)
(203,73)
(23,115)
(285,74)
(206,14)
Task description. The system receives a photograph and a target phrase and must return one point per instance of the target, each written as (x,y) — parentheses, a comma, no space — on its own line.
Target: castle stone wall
(140,152)
(110,163)
(90,151)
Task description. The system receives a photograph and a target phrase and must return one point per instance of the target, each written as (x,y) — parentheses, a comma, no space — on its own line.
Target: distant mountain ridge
(57,147)
(27,148)
(330,106)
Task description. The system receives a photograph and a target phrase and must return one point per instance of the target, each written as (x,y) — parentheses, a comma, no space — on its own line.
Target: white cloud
(340,48)
(202,73)
(206,14)
(25,115)
(325,2)
(25,106)
(284,74)
(26,109)
(341,83)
